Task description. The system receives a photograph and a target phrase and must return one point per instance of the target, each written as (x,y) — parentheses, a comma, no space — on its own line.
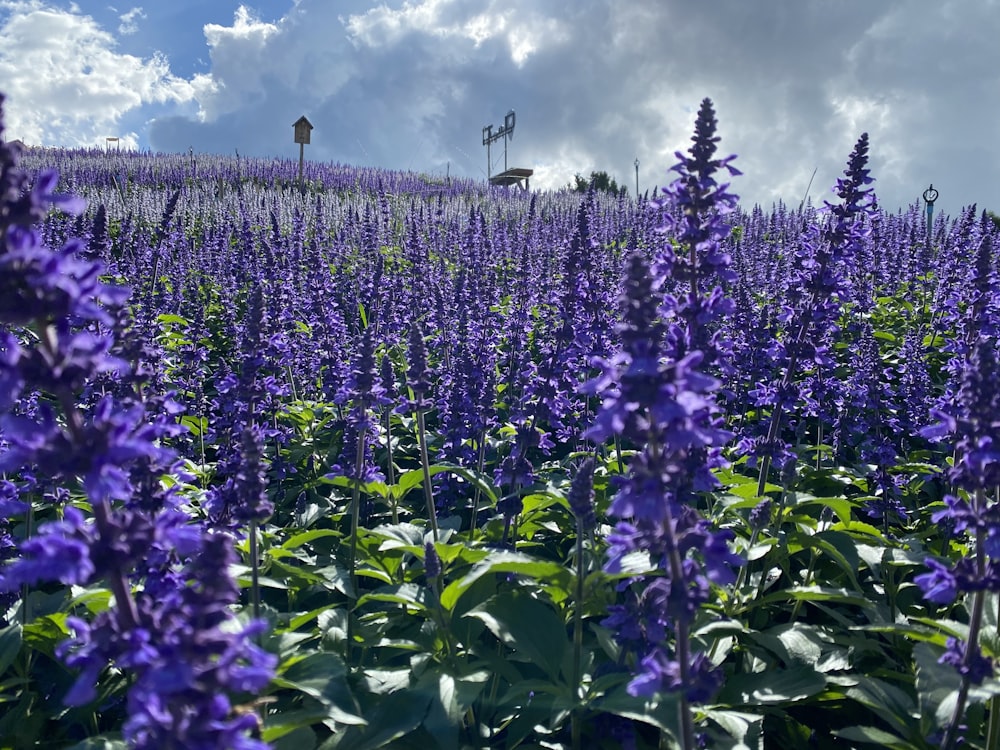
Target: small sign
(302,129)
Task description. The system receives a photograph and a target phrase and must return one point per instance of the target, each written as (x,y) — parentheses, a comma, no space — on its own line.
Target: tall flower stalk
(818,289)
(581,502)
(419,385)
(361,391)
(665,407)
(974,427)
(656,398)
(170,627)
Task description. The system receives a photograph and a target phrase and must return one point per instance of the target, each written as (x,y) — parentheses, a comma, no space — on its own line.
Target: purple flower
(973,666)
(655,397)
(816,290)
(695,206)
(666,408)
(760,515)
(59,552)
(661,673)
(581,496)
(432,562)
(417,373)
(939,586)
(103,427)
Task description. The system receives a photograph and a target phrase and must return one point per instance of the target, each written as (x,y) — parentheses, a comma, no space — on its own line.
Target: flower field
(381,460)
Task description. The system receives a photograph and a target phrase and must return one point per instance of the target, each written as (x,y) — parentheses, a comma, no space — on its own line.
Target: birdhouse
(302,129)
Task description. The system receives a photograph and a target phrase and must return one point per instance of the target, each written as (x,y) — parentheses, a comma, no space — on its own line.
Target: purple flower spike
(102,428)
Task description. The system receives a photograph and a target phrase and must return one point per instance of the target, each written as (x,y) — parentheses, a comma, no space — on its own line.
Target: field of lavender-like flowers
(379,460)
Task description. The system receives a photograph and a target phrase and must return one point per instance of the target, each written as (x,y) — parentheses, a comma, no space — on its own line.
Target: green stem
(25,601)
(353,556)
(254,570)
(426,465)
(741,577)
(391,467)
(681,626)
(993,728)
(117,581)
(440,617)
(480,461)
(807,580)
(765,462)
(581,572)
(975,625)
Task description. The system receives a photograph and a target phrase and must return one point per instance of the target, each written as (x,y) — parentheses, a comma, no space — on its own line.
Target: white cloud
(65,82)
(595,84)
(130,21)
(523,30)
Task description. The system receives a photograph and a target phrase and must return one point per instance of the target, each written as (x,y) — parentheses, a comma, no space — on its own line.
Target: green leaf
(804,644)
(745,727)
(444,711)
(337,578)
(527,626)
(842,506)
(323,676)
(332,625)
(660,712)
(242,575)
(46,632)
(195,425)
(300,738)
(411,479)
(410,595)
(286,643)
(873,736)
(477,480)
(840,547)
(404,535)
(907,631)
(287,723)
(171,319)
(817,594)
(100,743)
(368,488)
(889,702)
(379,681)
(305,537)
(394,716)
(294,574)
(937,685)
(10,645)
(505,562)
(773,686)
(301,619)
(748,490)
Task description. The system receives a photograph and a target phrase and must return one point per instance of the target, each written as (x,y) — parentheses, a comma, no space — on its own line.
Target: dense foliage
(379,461)
(600,182)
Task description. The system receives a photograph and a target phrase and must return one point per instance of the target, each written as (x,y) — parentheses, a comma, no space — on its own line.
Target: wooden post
(302,130)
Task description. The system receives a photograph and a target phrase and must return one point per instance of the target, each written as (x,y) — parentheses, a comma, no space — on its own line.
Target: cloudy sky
(595,85)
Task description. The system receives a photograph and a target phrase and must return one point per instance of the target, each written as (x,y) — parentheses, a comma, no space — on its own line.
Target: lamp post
(930,195)
(637,179)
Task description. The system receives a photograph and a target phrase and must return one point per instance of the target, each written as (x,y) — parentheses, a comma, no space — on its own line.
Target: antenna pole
(506,131)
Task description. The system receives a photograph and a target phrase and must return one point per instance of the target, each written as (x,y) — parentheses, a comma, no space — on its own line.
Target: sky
(595,85)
